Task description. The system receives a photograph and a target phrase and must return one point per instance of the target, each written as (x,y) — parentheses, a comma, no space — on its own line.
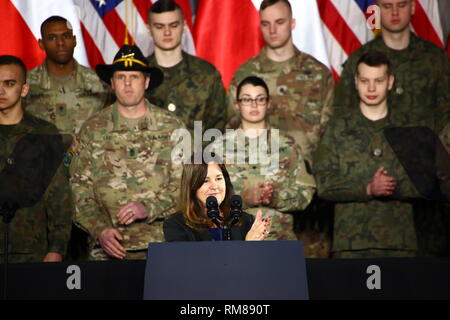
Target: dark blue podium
(226,270)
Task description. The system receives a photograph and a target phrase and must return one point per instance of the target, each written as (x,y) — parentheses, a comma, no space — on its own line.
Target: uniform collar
(184,61)
(413,43)
(45,77)
(146,122)
(267,65)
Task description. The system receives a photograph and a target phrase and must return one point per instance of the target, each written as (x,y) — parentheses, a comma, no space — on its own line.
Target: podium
(226,270)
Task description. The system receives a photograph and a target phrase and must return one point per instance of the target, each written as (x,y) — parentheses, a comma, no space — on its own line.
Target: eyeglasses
(260,101)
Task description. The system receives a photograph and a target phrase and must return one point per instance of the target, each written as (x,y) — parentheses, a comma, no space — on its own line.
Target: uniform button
(171,107)
(377,152)
(10,161)
(399,90)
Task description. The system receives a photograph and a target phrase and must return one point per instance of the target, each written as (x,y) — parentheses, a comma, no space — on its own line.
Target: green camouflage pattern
(66,105)
(44,227)
(344,163)
(193,91)
(118,163)
(294,187)
(422,80)
(445,137)
(301,90)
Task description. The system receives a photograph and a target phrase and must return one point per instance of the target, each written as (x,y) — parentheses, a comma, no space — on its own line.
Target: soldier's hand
(260,228)
(381,184)
(109,241)
(254,196)
(266,198)
(131,212)
(53,257)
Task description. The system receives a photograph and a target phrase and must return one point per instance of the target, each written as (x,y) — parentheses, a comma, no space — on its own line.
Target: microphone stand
(226,231)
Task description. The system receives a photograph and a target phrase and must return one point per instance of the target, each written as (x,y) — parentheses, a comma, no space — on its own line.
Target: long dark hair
(192,179)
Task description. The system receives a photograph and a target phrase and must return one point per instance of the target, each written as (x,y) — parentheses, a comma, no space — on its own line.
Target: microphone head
(211,202)
(236,201)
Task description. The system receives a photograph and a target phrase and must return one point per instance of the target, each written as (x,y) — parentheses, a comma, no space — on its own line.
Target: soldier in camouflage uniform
(192,87)
(422,87)
(421,69)
(123,179)
(301,90)
(62,91)
(356,168)
(301,86)
(39,232)
(278,180)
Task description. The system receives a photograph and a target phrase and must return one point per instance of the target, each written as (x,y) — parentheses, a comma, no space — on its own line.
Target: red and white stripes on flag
(227,32)
(99,26)
(20,22)
(330,30)
(104,22)
(229,36)
(346,29)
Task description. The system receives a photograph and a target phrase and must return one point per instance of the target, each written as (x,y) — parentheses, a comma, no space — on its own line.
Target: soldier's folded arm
(332,185)
(166,198)
(217,104)
(443,95)
(300,187)
(87,211)
(60,209)
(327,98)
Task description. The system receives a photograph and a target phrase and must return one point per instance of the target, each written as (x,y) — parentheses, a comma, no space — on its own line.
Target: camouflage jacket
(349,153)
(117,164)
(192,90)
(422,79)
(66,106)
(293,185)
(45,226)
(301,93)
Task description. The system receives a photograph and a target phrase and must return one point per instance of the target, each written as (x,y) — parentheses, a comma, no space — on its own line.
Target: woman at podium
(198,220)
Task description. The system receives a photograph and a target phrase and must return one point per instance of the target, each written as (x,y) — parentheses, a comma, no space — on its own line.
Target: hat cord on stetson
(128,61)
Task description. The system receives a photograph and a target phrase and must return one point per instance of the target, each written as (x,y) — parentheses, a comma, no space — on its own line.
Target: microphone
(235,209)
(212,210)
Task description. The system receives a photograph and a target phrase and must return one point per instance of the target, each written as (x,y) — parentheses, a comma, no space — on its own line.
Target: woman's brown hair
(192,179)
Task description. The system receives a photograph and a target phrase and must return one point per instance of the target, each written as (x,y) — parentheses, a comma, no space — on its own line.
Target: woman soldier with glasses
(266,167)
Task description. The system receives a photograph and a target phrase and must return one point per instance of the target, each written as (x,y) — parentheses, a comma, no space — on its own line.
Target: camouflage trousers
(374,254)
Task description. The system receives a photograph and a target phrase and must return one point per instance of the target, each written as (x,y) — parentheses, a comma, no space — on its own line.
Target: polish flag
(329,30)
(227,33)
(99,26)
(20,23)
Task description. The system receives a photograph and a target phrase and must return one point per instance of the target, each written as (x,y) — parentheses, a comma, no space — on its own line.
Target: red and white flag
(348,24)
(99,26)
(20,23)
(104,24)
(330,30)
(227,32)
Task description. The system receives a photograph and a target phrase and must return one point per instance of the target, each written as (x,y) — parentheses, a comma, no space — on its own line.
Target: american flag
(348,24)
(99,26)
(226,32)
(327,29)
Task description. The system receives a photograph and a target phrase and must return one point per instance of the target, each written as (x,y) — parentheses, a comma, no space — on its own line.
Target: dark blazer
(175,229)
